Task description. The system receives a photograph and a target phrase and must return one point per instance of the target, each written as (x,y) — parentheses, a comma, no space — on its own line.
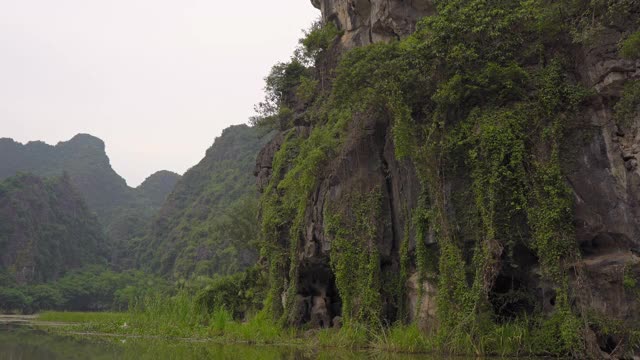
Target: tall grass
(182,316)
(177,316)
(403,338)
(259,329)
(351,336)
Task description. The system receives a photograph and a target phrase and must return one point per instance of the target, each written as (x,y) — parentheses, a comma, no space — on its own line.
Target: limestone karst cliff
(478,166)
(365,21)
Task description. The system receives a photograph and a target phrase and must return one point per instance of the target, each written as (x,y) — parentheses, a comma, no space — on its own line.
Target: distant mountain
(123,211)
(209,222)
(157,187)
(85,160)
(132,220)
(46,229)
(204,223)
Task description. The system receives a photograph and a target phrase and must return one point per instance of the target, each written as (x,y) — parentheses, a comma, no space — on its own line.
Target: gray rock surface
(602,168)
(368,21)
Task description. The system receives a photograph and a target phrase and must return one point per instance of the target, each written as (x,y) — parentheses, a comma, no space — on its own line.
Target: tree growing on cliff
(293,82)
(280,91)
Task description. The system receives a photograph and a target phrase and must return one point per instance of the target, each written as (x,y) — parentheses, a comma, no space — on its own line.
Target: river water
(19,342)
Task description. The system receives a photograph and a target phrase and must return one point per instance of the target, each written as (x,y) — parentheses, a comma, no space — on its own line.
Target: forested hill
(46,229)
(83,158)
(208,224)
(123,211)
(157,187)
(131,220)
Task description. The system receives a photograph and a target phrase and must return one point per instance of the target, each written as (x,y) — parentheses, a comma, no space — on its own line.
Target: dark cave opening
(318,300)
(608,345)
(513,293)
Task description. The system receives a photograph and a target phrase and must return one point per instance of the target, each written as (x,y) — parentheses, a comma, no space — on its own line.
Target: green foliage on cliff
(628,108)
(208,224)
(291,83)
(274,112)
(296,169)
(123,212)
(319,38)
(355,260)
(630,47)
(156,187)
(83,158)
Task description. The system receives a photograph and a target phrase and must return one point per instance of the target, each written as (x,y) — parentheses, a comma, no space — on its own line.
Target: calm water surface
(24,343)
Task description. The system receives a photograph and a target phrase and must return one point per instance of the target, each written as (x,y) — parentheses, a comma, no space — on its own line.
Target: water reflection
(24,343)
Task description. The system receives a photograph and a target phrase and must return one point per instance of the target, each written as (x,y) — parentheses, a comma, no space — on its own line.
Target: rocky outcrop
(368,21)
(366,164)
(604,176)
(603,173)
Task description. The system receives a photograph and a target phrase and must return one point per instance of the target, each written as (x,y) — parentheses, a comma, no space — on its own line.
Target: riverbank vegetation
(94,288)
(178,318)
(185,316)
(33,344)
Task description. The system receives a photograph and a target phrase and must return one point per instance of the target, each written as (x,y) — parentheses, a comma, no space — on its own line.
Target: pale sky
(157,80)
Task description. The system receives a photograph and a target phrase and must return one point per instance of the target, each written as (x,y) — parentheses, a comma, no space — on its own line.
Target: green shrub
(628,279)
(318,38)
(630,47)
(237,295)
(14,300)
(307,89)
(628,107)
(280,90)
(45,297)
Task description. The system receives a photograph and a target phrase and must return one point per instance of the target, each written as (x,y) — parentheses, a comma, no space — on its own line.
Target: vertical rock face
(369,21)
(605,176)
(603,173)
(366,165)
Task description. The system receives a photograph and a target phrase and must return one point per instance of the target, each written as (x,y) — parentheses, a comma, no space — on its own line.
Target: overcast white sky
(157,80)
